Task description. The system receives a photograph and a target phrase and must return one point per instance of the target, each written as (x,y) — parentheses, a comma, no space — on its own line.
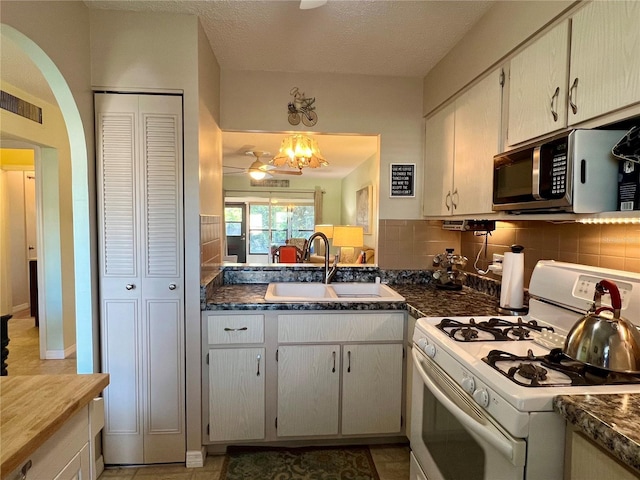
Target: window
(271,225)
(233,221)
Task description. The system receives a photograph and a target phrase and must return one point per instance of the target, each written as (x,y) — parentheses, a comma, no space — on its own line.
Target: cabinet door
(588,461)
(308,390)
(78,468)
(538,86)
(438,163)
(236,394)
(372,389)
(605,59)
(477,134)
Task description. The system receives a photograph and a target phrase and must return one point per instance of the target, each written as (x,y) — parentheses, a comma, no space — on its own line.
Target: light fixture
(326,229)
(256,170)
(348,236)
(299,151)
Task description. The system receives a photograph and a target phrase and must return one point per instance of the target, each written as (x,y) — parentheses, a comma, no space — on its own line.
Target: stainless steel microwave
(573,172)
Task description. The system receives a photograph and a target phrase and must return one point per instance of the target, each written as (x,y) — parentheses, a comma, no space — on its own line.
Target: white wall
(359,104)
(505,26)
(18,240)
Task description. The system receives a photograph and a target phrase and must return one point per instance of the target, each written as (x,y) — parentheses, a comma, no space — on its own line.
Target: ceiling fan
(259,170)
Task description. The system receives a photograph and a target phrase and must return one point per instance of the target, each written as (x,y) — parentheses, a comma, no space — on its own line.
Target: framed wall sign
(403,180)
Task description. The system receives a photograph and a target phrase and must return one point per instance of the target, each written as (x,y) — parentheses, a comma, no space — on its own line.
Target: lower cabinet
(236,394)
(303,375)
(308,390)
(587,461)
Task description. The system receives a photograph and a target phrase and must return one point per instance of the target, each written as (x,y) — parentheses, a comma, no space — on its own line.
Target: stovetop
(490,329)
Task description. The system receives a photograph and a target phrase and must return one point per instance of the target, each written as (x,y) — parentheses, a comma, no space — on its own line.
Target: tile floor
(392,461)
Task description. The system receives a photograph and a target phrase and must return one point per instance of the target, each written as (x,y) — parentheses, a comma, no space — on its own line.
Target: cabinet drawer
(343,327)
(230,329)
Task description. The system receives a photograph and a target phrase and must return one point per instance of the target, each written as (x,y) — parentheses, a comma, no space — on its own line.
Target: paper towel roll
(512,290)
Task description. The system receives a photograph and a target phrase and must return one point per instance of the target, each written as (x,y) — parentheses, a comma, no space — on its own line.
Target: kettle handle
(607,286)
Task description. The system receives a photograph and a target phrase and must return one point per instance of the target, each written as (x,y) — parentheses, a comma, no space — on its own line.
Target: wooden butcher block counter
(35,407)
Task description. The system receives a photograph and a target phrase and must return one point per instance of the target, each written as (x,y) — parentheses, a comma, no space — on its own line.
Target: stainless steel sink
(293,292)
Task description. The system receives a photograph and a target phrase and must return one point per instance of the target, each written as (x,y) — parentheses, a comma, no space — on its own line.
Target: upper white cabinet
(605,59)
(538,87)
(461,140)
(139,153)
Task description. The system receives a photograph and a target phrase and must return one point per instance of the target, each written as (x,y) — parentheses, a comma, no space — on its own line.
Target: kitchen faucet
(328,274)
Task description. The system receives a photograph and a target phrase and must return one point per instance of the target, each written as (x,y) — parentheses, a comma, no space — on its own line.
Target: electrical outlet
(498,258)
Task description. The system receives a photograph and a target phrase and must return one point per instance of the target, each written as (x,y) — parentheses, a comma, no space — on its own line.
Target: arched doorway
(84,281)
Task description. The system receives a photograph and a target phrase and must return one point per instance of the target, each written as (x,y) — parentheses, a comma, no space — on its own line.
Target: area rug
(322,463)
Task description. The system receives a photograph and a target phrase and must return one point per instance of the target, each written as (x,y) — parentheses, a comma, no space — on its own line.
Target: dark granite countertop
(611,421)
(421,301)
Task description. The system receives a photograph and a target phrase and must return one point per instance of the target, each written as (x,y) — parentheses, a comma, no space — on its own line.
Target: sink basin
(298,292)
(334,292)
(371,291)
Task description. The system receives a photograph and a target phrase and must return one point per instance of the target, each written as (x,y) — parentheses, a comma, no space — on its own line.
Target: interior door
(235,220)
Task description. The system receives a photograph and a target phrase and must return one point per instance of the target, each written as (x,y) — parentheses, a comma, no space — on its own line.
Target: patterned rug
(323,463)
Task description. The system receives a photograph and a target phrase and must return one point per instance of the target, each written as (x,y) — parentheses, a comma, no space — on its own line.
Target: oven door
(451,437)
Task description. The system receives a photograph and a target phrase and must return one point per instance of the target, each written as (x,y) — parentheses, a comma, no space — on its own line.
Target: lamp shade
(326,229)
(348,236)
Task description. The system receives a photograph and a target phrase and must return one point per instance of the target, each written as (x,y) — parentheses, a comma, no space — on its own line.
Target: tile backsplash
(411,244)
(210,240)
(607,246)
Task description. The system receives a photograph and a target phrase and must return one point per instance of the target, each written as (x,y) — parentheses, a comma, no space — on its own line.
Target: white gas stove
(506,372)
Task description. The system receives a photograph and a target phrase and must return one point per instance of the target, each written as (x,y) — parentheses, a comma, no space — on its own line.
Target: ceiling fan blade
(309,4)
(285,172)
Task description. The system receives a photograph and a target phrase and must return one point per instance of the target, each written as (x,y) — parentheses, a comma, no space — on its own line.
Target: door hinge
(207,429)
(403,353)
(276,355)
(207,359)
(401,421)
(276,423)
(502,77)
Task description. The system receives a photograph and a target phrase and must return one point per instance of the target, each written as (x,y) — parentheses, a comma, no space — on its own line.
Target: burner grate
(493,329)
(553,370)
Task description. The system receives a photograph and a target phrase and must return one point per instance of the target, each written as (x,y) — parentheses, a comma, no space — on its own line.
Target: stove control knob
(468,384)
(482,397)
(422,343)
(430,350)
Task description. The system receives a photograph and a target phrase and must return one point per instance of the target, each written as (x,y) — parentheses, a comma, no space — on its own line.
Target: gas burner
(552,370)
(493,329)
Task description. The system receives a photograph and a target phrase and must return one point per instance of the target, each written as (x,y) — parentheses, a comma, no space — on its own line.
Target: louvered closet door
(139,152)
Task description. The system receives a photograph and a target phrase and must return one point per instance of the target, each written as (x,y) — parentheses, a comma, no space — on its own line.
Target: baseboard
(19,308)
(195,458)
(60,354)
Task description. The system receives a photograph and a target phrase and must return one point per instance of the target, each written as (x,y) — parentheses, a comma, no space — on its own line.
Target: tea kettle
(604,342)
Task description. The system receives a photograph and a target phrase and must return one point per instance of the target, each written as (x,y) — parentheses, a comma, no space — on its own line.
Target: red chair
(288,254)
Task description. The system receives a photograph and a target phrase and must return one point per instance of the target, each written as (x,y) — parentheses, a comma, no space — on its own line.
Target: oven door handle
(468,414)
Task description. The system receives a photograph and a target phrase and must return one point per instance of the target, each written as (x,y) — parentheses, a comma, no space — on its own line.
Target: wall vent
(270,183)
(20,107)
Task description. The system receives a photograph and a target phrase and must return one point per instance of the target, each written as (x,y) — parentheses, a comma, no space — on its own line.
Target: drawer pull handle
(258,358)
(333,370)
(227,329)
(349,360)
(25,468)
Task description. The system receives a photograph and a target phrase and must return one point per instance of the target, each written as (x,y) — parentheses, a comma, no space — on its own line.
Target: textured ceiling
(371,37)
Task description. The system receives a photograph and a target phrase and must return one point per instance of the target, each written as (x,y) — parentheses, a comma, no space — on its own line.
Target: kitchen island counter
(611,421)
(34,407)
